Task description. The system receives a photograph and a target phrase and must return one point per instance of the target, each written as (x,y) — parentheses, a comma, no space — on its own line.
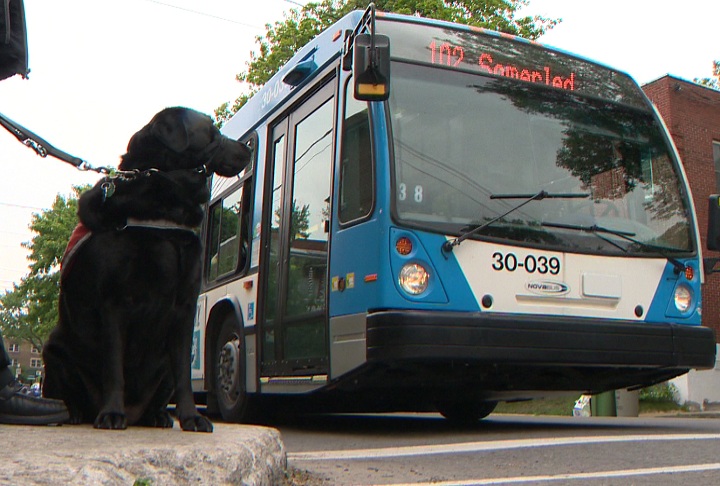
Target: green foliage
(283,39)
(713,82)
(29,311)
(662,392)
(300,222)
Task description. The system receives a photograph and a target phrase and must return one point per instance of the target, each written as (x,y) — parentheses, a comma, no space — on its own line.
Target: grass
(564,406)
(542,406)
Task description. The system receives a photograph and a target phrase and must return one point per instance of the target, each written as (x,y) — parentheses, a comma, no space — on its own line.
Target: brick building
(26,360)
(692,115)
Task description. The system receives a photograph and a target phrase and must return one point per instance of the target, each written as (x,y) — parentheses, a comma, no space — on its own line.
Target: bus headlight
(414,278)
(683,298)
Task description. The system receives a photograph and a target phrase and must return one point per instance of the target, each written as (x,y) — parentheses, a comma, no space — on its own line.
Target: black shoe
(19,408)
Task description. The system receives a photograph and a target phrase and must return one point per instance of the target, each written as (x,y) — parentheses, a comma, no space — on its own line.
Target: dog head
(181,138)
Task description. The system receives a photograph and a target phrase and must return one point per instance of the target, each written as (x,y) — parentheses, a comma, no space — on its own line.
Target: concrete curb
(232,454)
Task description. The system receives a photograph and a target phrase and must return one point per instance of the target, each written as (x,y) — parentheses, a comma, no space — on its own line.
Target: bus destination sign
(454,56)
(507,57)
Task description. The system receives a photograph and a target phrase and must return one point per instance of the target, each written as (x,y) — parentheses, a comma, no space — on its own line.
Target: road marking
(465,447)
(563,477)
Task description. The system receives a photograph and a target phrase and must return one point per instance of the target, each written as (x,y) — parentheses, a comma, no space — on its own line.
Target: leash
(108,183)
(44,148)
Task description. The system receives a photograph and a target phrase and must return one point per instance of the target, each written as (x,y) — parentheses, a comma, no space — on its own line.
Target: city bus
(440,218)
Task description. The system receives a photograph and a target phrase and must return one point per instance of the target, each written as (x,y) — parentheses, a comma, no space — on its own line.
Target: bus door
(294,322)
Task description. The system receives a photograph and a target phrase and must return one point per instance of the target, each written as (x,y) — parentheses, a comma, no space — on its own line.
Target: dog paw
(196,423)
(111,421)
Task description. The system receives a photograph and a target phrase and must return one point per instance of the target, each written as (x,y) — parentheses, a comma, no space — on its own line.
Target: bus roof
(322,50)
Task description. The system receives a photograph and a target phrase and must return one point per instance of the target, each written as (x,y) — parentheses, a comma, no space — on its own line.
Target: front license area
(531,281)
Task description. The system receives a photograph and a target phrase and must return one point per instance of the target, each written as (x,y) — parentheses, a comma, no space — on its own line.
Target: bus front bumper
(512,352)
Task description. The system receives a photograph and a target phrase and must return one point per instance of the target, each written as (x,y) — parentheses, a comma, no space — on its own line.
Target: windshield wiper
(626,235)
(542,195)
(450,244)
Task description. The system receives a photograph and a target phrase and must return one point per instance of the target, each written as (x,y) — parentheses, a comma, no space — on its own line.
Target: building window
(34,350)
(36,363)
(716,158)
(14,348)
(14,363)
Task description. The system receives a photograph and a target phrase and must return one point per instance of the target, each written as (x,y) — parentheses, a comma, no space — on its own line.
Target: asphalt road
(503,449)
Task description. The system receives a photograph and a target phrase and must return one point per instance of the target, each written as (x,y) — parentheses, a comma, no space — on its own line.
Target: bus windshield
(469,147)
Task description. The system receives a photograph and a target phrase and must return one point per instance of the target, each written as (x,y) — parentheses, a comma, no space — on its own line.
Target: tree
(713,82)
(283,39)
(29,311)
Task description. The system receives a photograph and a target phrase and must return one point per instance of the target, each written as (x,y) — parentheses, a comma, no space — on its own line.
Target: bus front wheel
(466,412)
(230,389)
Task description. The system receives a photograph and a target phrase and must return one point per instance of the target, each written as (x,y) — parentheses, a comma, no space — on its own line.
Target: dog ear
(169,127)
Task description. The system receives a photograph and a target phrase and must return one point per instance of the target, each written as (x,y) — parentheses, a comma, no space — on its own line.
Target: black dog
(122,347)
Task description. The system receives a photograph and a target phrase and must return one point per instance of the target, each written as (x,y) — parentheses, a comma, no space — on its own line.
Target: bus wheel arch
(225,361)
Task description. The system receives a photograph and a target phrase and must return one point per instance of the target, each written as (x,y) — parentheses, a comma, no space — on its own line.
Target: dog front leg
(112,414)
(188,415)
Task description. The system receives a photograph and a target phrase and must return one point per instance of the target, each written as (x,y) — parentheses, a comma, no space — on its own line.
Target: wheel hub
(228,367)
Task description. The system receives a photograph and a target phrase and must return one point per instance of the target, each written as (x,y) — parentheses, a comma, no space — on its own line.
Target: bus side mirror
(713,232)
(371,67)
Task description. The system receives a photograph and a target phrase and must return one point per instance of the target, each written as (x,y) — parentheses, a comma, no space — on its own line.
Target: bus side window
(227,245)
(356,178)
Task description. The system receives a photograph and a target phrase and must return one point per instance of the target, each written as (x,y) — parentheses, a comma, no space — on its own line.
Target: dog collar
(164,224)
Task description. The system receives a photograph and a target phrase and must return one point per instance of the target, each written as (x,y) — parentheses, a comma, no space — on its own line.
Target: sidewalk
(81,455)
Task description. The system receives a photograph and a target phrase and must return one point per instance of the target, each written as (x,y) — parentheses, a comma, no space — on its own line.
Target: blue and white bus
(438,218)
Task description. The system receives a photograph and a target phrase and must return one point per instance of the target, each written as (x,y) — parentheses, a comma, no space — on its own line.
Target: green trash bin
(603,404)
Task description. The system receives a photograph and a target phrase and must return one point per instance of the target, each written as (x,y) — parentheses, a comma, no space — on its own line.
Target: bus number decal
(417,193)
(531,263)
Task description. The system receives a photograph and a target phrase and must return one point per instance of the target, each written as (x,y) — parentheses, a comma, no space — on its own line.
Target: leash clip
(108,189)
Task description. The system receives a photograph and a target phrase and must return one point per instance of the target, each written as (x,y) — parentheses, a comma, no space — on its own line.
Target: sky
(101,70)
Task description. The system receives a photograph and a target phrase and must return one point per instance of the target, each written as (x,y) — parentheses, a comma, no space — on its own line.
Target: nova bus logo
(547,287)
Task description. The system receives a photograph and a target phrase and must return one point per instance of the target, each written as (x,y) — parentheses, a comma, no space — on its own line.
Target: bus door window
(275,222)
(356,180)
(227,246)
(294,302)
(308,236)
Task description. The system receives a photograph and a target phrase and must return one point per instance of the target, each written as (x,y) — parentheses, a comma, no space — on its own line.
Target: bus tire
(229,358)
(466,412)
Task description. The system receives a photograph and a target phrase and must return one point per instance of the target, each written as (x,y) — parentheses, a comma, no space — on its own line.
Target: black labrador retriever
(122,347)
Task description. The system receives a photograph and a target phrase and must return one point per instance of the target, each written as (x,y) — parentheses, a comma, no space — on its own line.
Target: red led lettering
(454,55)
(445,48)
(446,54)
(485,61)
(458,52)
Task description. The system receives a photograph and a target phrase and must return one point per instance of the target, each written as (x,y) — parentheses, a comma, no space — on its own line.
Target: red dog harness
(79,236)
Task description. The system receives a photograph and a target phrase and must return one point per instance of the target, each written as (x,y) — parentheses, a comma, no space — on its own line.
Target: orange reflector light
(371,89)
(689,273)
(403,246)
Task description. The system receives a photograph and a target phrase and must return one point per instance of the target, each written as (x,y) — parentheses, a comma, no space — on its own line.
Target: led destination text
(451,55)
